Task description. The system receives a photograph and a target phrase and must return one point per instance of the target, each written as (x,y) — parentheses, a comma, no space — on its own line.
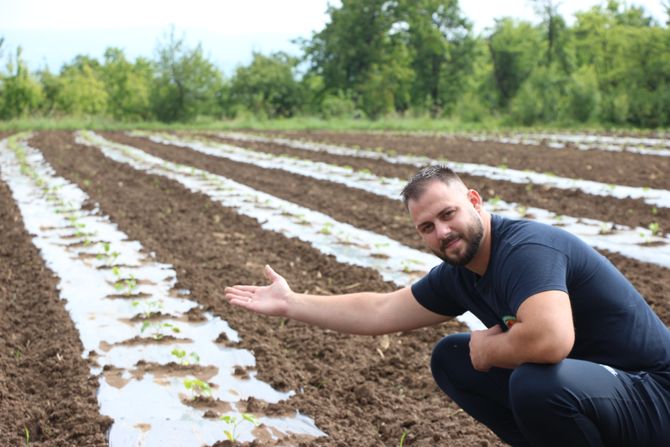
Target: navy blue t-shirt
(613,323)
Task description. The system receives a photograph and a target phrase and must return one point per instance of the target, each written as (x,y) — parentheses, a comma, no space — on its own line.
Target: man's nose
(443,229)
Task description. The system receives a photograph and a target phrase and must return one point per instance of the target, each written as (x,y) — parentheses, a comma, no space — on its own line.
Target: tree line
(376,58)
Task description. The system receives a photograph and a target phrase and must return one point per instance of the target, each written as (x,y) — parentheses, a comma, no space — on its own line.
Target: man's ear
(475,199)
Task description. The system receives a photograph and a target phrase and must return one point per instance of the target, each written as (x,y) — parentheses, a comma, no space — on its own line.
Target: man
(572,355)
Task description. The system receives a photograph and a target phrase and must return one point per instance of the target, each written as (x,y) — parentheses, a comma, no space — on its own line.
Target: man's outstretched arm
(363,313)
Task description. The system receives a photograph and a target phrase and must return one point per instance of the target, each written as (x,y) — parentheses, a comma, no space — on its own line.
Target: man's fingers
(237,293)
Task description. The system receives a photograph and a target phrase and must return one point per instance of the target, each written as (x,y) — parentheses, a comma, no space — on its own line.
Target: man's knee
(450,356)
(450,350)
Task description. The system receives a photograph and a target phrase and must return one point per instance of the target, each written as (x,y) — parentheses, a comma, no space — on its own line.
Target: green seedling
(654,211)
(494,200)
(655,228)
(149,307)
(183,359)
(26,433)
(403,437)
(326,228)
(108,255)
(198,387)
(407,265)
(233,423)
(127,285)
(158,329)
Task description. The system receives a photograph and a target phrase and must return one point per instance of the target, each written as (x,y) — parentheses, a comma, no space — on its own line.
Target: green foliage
(515,49)
(541,97)
(443,52)
(374,62)
(233,423)
(583,94)
(186,84)
(128,86)
(20,93)
(267,87)
(338,105)
(80,89)
(197,387)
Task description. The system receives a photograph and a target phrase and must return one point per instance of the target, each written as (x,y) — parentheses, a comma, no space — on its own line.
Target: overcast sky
(54,32)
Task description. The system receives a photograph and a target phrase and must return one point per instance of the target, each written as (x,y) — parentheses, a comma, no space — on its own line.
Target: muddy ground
(355,394)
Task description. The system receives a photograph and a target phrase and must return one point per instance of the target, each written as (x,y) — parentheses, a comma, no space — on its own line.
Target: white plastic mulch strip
(394,261)
(636,243)
(112,288)
(644,146)
(655,197)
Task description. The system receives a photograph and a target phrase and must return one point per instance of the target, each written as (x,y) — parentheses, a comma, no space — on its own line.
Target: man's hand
(480,345)
(268,300)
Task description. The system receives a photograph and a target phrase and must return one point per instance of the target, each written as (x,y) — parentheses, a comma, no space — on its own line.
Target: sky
(52,33)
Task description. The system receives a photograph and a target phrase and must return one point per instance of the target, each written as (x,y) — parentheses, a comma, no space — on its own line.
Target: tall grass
(403,124)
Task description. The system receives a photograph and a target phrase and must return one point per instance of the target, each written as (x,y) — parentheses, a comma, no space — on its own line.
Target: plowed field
(360,391)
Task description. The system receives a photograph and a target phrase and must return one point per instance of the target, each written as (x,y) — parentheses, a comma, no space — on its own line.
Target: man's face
(447,218)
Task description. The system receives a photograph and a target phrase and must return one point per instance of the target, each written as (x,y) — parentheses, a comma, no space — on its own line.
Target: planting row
(608,167)
(646,146)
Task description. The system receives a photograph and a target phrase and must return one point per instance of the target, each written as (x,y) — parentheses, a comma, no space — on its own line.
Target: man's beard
(472,239)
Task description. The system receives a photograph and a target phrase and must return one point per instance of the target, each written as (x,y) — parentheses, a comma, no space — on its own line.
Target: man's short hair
(417,184)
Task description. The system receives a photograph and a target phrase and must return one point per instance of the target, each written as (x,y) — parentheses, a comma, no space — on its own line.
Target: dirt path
(356,395)
(44,382)
(565,202)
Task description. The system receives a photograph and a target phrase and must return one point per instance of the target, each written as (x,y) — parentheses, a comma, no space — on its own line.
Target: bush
(540,99)
(583,94)
(337,106)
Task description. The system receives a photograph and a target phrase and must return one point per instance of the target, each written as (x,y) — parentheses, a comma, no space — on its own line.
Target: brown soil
(357,395)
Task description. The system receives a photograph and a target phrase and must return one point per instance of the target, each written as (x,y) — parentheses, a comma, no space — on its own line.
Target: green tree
(20,94)
(128,85)
(80,89)
(632,64)
(443,51)
(186,84)
(267,86)
(359,55)
(480,98)
(557,36)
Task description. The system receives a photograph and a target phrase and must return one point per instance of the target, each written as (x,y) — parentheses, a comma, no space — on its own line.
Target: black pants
(571,403)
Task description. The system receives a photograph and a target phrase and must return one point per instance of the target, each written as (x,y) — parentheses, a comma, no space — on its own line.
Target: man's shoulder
(511,233)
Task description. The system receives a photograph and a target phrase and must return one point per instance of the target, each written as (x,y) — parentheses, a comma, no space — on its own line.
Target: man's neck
(480,262)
